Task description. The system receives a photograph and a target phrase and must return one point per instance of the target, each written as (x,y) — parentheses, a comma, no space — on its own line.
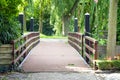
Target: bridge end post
(75,25)
(87,33)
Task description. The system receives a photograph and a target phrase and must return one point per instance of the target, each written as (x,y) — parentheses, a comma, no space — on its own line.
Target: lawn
(52,37)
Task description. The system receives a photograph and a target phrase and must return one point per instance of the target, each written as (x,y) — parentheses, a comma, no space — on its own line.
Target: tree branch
(73,8)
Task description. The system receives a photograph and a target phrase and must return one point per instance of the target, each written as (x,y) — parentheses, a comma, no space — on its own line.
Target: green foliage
(118,24)
(102,41)
(57,9)
(9,31)
(47,28)
(40,10)
(9,7)
(60,9)
(98,18)
(19,43)
(9,27)
(52,37)
(109,64)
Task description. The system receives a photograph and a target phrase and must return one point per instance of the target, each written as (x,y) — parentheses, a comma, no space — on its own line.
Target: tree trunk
(24,23)
(112,23)
(24,20)
(40,25)
(65,26)
(66,18)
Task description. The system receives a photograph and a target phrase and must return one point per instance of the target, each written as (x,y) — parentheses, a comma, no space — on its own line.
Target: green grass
(45,36)
(53,37)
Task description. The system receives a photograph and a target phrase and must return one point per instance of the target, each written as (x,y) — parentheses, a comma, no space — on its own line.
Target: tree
(112,23)
(67,16)
(63,11)
(40,8)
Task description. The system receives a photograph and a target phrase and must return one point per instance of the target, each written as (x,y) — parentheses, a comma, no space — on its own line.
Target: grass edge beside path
(52,37)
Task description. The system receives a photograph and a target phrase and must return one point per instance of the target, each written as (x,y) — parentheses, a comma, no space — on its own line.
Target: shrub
(9,31)
(9,26)
(116,64)
(108,64)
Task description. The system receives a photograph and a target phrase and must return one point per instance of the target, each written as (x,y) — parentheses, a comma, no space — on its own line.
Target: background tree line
(56,17)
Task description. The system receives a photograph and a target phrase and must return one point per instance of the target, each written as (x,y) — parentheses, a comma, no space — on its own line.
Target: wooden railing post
(82,45)
(76,40)
(25,38)
(95,47)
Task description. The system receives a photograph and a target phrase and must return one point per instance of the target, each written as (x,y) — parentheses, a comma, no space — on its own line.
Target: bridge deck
(54,55)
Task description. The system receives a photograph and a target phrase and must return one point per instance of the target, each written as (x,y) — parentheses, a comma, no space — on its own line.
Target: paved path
(54,55)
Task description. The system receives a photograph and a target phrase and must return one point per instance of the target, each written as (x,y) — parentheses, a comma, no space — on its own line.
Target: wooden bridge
(53,54)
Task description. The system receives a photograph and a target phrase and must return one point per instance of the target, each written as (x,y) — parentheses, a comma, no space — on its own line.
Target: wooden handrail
(90,39)
(26,35)
(25,43)
(79,41)
(91,48)
(75,39)
(24,51)
(29,40)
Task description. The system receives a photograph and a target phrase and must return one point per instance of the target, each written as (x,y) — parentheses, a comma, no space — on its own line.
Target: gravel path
(90,75)
(50,76)
(61,76)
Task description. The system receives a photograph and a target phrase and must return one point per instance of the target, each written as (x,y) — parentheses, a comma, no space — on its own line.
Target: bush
(9,26)
(116,64)
(108,64)
(9,31)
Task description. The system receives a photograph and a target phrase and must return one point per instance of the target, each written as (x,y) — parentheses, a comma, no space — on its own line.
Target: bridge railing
(90,48)
(85,45)
(76,41)
(22,46)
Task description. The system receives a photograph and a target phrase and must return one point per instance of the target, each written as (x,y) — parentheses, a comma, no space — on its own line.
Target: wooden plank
(24,36)
(5,47)
(4,62)
(75,45)
(6,51)
(89,48)
(88,56)
(5,56)
(76,39)
(90,39)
